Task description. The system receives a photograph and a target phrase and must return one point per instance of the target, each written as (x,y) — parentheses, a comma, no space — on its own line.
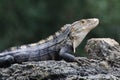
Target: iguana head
(80,29)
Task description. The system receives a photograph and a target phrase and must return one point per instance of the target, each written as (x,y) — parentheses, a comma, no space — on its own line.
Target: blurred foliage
(28,21)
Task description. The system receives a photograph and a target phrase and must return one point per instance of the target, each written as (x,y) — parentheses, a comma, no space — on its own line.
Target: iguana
(55,47)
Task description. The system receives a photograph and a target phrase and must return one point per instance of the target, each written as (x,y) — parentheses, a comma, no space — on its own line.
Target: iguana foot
(82,61)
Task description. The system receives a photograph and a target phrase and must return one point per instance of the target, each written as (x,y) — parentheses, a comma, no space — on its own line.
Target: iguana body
(56,47)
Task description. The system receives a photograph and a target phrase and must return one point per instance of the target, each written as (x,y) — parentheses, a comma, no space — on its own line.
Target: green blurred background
(28,21)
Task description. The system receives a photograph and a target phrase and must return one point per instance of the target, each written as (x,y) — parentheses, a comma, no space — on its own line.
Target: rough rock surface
(103,63)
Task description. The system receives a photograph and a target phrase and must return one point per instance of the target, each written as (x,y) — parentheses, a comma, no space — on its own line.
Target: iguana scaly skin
(56,47)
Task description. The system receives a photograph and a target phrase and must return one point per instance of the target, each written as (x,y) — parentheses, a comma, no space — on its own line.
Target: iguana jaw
(80,29)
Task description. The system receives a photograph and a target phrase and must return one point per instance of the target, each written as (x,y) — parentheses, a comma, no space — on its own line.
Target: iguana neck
(77,41)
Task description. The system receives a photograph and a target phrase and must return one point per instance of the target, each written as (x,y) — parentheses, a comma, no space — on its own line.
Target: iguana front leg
(65,54)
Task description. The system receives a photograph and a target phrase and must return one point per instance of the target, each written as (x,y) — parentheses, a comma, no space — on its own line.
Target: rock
(103,49)
(103,63)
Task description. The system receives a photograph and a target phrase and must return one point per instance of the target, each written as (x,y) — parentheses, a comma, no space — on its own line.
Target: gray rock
(103,63)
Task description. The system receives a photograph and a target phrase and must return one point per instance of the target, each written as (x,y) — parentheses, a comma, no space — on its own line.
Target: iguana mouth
(95,21)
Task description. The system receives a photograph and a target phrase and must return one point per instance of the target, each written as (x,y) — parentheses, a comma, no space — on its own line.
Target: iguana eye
(83,21)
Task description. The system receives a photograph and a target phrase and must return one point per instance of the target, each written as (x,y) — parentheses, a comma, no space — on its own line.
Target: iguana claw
(82,61)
